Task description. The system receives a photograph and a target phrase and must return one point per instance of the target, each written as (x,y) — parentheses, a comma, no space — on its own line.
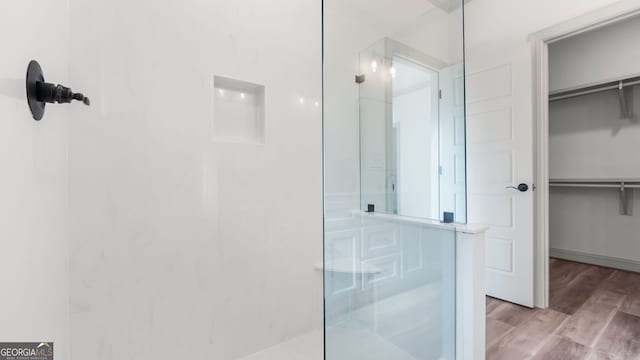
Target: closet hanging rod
(595,185)
(614,85)
(626,188)
(595,180)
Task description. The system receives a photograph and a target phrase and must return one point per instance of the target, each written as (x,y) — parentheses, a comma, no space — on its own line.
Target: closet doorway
(588,172)
(588,176)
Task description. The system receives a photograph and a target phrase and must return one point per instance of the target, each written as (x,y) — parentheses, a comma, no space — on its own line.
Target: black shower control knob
(40,92)
(51,93)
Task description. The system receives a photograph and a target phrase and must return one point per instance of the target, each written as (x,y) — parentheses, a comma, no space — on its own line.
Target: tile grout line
(604,328)
(575,278)
(613,314)
(569,316)
(497,341)
(553,333)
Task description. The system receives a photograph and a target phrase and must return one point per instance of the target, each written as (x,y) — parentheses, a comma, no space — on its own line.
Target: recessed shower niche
(238,111)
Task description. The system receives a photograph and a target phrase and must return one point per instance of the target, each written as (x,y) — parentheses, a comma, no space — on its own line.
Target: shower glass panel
(390,291)
(394,146)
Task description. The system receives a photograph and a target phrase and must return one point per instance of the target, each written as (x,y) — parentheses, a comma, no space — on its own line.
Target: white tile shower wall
(33,186)
(238,115)
(183,247)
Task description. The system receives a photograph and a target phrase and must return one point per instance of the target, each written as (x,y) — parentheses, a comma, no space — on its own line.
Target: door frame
(540,49)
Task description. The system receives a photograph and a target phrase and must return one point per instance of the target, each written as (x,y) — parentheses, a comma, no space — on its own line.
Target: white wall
(33,185)
(182,247)
(586,225)
(588,139)
(435,33)
(496,24)
(597,56)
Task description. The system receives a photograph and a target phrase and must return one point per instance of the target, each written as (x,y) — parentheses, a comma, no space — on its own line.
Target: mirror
(412,128)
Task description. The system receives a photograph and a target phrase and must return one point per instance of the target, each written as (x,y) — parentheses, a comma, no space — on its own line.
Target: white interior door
(500,154)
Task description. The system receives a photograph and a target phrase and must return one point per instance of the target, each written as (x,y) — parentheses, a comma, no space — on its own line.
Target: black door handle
(521,187)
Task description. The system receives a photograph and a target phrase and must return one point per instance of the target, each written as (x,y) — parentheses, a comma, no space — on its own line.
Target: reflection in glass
(411,158)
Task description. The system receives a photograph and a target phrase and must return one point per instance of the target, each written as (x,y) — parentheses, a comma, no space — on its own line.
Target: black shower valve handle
(40,92)
(51,93)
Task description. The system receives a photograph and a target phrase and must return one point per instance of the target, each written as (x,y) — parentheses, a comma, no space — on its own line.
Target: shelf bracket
(626,200)
(625,109)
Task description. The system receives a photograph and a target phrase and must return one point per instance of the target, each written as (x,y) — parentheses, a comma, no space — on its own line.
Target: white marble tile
(208,247)
(34,265)
(307,346)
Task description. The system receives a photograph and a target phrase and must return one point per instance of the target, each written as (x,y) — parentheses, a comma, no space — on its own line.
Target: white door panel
(500,154)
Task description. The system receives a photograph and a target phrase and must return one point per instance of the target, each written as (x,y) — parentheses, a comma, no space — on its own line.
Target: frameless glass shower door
(394,139)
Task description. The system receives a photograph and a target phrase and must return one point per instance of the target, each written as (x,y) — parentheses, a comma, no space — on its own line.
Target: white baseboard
(616,263)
